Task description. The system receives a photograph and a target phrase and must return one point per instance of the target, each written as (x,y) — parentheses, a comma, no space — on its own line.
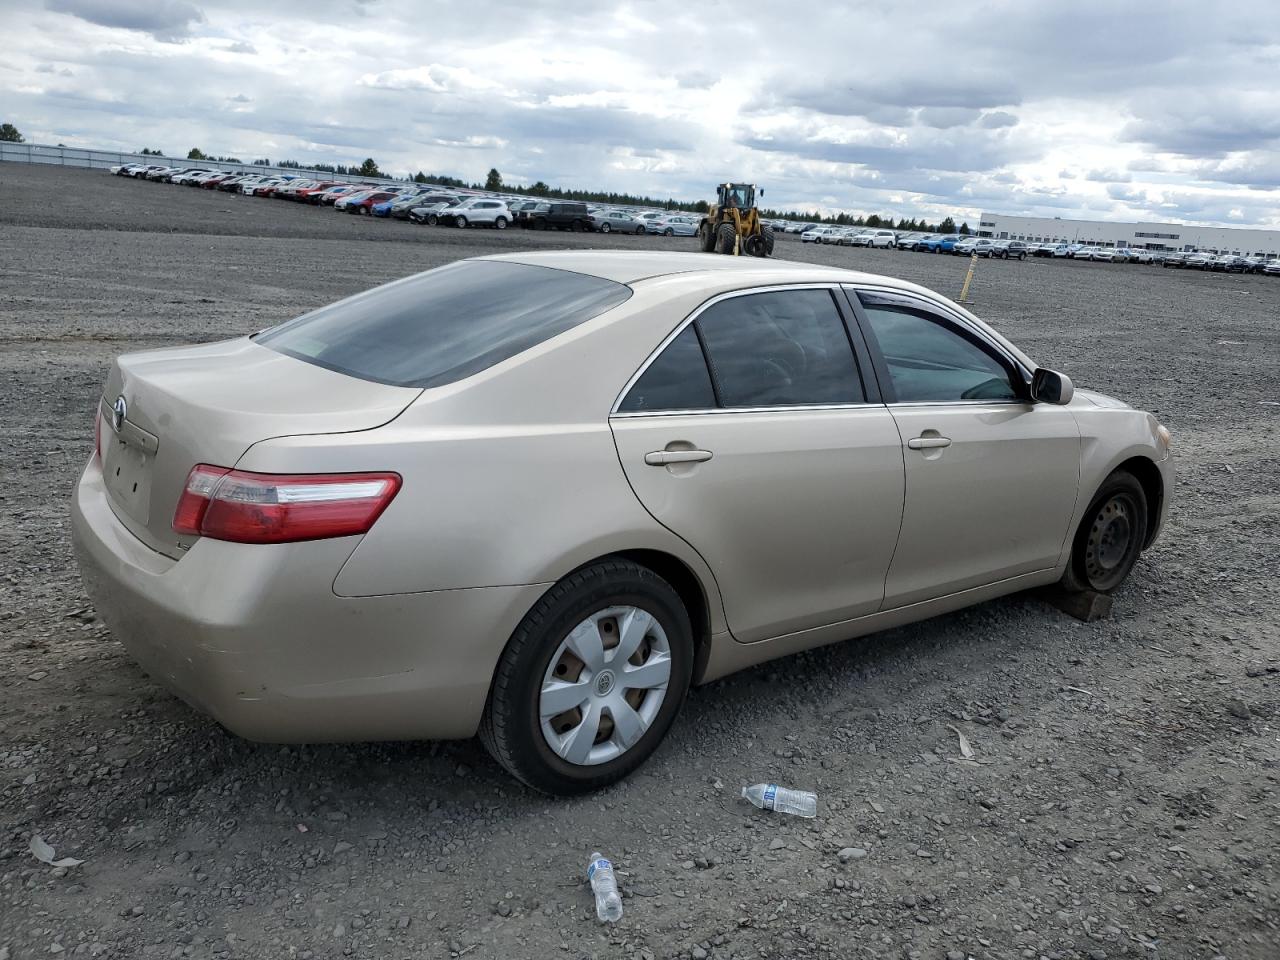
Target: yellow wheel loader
(733,225)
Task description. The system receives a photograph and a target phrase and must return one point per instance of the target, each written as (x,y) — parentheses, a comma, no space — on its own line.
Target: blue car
(943,243)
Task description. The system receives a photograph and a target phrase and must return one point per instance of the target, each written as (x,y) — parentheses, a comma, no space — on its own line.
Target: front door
(763,453)
(991,477)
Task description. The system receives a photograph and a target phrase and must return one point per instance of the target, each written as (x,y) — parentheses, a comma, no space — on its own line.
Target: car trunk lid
(164,411)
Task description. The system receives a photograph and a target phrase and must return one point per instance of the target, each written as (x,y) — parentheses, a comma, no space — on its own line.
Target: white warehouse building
(1151,236)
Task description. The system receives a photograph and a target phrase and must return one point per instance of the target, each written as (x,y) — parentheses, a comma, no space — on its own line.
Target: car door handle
(662,458)
(928,443)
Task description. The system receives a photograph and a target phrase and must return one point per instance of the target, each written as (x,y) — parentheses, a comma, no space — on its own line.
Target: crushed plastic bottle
(605,887)
(770,796)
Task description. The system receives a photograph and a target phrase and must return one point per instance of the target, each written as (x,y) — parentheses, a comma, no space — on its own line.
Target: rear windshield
(445,324)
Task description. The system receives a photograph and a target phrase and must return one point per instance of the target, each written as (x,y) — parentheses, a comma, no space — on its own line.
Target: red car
(306,194)
(214,181)
(362,205)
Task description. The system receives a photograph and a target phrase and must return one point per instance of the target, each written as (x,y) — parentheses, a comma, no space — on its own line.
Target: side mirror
(1050,386)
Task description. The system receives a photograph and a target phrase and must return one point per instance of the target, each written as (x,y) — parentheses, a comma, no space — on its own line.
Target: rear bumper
(255,637)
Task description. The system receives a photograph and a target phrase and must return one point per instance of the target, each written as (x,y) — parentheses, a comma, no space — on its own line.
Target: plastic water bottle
(605,886)
(770,796)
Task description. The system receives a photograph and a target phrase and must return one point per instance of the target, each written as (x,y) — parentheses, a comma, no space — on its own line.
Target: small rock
(922,852)
(955,955)
(341,847)
(851,853)
(38,675)
(698,953)
(1154,888)
(1238,709)
(777,843)
(503,909)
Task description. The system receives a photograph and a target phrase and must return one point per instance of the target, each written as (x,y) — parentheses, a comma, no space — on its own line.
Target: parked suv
(477,212)
(559,215)
(1009,249)
(875,238)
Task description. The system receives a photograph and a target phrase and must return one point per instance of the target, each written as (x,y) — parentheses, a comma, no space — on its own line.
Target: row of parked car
(958,245)
(424,203)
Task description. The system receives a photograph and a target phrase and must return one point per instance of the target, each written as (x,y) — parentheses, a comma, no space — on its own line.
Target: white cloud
(1068,110)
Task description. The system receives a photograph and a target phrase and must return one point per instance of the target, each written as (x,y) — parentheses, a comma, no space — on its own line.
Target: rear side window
(676,380)
(776,349)
(782,348)
(445,324)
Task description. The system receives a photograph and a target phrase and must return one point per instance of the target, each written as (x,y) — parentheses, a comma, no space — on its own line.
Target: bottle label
(601,864)
(770,794)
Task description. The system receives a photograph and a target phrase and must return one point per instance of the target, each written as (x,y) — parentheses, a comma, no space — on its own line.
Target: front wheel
(605,228)
(1110,536)
(668,232)
(460,222)
(706,237)
(591,680)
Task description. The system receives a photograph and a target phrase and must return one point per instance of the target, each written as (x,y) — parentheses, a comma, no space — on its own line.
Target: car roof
(633,266)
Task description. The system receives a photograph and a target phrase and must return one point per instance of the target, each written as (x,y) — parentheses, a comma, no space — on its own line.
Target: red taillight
(281,508)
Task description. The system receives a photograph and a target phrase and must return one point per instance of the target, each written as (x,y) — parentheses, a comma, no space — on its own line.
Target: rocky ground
(1125,800)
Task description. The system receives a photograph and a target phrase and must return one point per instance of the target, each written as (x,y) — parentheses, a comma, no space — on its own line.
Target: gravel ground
(1125,802)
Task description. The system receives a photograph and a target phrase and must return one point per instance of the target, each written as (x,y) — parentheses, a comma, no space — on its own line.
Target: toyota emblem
(118,410)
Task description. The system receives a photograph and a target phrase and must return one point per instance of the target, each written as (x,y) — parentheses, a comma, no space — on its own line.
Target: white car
(478,212)
(821,235)
(875,238)
(1111,255)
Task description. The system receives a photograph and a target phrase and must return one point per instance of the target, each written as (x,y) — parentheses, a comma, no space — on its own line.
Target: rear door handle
(928,443)
(662,458)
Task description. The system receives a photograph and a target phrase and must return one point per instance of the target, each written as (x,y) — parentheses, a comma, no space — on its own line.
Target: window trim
(1018,373)
(857,343)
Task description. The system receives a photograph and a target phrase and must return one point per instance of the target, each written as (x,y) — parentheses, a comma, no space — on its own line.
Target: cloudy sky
(1110,110)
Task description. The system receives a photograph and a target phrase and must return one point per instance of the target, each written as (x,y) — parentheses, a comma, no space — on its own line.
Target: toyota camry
(537,496)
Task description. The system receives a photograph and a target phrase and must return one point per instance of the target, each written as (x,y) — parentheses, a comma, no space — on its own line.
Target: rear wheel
(605,228)
(668,232)
(1110,537)
(639,230)
(591,680)
(500,223)
(432,219)
(706,237)
(725,236)
(754,246)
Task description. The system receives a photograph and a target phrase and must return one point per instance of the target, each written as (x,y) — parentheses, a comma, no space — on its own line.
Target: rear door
(751,436)
(991,477)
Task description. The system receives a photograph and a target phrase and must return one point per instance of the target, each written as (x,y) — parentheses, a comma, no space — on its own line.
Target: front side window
(929,360)
(445,324)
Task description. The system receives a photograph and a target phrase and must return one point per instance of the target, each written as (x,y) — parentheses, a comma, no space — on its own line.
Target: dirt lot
(1127,801)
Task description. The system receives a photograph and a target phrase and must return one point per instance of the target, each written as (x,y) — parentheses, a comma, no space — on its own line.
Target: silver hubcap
(604,685)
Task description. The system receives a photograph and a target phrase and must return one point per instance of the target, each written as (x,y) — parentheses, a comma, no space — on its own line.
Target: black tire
(432,219)
(460,222)
(769,240)
(1110,538)
(605,228)
(1021,257)
(753,246)
(668,232)
(500,223)
(706,238)
(640,231)
(511,728)
(725,236)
